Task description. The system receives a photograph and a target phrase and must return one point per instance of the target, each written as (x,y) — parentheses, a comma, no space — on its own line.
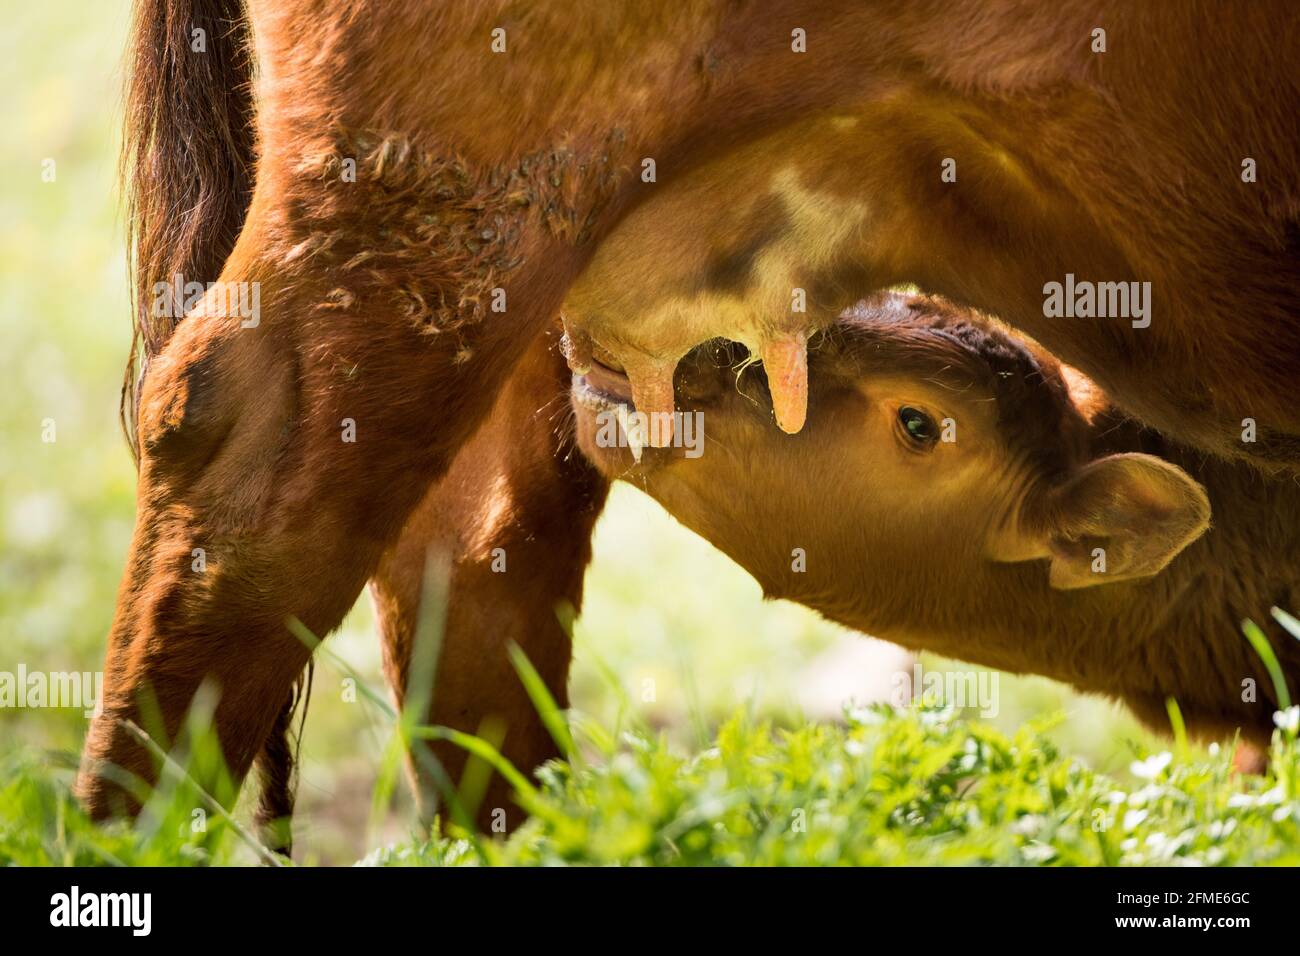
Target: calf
(959,491)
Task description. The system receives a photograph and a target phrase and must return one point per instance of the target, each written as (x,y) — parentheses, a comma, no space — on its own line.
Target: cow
(412,191)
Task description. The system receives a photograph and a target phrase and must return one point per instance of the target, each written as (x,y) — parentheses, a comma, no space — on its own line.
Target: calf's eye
(917,425)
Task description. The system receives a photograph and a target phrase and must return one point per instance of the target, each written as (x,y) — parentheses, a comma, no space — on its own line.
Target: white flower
(1153,766)
(1149,794)
(1038,853)
(1266,799)
(1165,847)
(1132,818)
(1028,825)
(865,716)
(1222,828)
(1289,719)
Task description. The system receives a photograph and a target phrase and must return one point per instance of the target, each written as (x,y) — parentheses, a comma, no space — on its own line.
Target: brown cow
(953,493)
(412,191)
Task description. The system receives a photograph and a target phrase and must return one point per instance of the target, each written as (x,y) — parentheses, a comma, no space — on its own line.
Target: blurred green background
(664,610)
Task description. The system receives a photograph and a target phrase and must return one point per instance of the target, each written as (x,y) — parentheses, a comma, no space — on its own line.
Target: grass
(686,684)
(917,786)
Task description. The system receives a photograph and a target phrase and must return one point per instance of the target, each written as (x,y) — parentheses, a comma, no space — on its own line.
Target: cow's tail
(186,165)
(277,768)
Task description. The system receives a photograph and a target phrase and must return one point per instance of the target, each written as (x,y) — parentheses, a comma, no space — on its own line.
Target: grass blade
(266,855)
(1264,649)
(552,717)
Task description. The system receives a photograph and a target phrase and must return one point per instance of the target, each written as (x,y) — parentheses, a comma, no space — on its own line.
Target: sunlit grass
(889,787)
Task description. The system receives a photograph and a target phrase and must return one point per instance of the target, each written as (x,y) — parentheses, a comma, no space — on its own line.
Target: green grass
(918,785)
(913,786)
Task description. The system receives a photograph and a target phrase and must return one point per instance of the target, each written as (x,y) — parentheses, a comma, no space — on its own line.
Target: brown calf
(950,493)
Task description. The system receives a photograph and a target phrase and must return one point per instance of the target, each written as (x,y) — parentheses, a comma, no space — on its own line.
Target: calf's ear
(1122,517)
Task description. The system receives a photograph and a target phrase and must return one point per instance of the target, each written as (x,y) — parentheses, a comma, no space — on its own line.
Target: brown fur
(1076,181)
(479,170)
(935,551)
(522,487)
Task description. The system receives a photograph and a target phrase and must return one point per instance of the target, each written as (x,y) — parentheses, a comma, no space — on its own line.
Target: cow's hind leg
(508,529)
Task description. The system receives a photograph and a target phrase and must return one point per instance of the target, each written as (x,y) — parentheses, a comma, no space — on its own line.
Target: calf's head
(941,449)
